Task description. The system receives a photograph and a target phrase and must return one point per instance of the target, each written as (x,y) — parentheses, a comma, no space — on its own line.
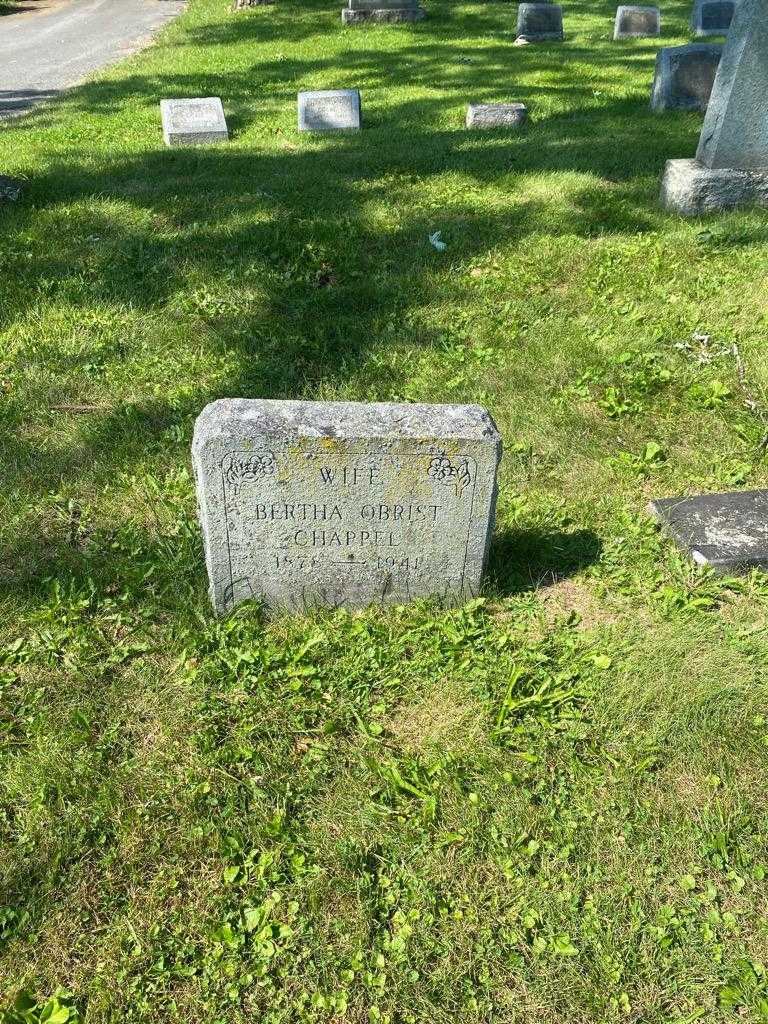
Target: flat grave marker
(496,115)
(727,532)
(360,11)
(344,503)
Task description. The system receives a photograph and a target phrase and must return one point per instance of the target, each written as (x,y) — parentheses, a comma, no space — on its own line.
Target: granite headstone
(712,17)
(344,503)
(728,532)
(634,22)
(684,76)
(329,110)
(539,22)
(191,122)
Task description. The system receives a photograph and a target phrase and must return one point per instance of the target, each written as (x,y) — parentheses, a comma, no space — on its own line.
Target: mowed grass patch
(546,805)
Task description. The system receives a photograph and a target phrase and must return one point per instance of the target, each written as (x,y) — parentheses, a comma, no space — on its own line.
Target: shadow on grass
(522,560)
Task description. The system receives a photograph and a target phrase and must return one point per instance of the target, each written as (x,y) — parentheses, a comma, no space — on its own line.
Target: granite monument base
(690,189)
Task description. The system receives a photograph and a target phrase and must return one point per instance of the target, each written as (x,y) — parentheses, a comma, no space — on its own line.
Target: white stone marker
(731,165)
(329,110)
(496,115)
(344,503)
(193,122)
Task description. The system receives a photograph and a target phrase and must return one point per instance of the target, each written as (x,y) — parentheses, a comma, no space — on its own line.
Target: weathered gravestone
(636,22)
(358,11)
(539,22)
(10,189)
(496,115)
(329,110)
(731,165)
(712,17)
(344,503)
(193,122)
(684,76)
(242,5)
(728,532)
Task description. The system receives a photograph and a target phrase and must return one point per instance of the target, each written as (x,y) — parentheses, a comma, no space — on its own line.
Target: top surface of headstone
(197,119)
(343,503)
(329,110)
(727,531)
(632,20)
(735,132)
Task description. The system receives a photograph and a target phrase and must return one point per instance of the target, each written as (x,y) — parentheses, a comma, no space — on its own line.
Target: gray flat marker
(193,122)
(329,110)
(728,532)
(307,504)
(496,115)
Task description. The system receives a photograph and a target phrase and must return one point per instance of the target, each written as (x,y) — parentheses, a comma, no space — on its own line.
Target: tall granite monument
(360,11)
(344,503)
(731,164)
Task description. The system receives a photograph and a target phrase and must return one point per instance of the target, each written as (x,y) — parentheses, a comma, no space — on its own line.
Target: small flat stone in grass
(329,110)
(539,23)
(634,22)
(712,17)
(193,122)
(306,504)
(496,115)
(243,5)
(684,76)
(728,532)
(10,189)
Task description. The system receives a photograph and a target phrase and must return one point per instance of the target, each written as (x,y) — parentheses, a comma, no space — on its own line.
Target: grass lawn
(546,806)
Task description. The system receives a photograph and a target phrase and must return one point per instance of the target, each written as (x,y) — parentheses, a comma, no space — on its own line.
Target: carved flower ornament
(443,471)
(254,467)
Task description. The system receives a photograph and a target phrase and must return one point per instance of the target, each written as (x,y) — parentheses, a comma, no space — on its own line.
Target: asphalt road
(58,43)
